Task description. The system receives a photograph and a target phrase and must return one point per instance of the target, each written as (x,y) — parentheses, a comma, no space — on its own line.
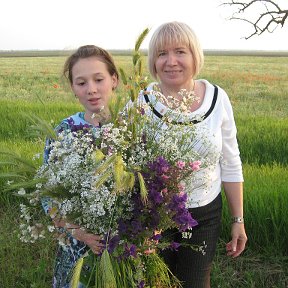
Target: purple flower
(178,201)
(113,243)
(141,284)
(136,225)
(160,165)
(174,246)
(130,251)
(155,195)
(156,237)
(182,217)
(185,220)
(154,218)
(122,227)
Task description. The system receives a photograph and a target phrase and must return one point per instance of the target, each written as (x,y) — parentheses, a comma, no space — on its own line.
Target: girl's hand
(80,234)
(91,240)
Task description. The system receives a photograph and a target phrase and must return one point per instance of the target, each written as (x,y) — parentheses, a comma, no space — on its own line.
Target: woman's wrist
(237,219)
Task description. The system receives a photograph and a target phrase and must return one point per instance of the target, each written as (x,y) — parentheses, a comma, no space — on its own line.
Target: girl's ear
(72,88)
(115,82)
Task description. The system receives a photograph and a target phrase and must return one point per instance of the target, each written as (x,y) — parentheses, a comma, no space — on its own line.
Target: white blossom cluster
(31,230)
(71,178)
(179,104)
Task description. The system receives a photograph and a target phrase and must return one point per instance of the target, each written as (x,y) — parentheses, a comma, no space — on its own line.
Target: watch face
(237,220)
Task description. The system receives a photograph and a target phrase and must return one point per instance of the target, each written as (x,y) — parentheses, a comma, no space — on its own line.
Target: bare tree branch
(270,15)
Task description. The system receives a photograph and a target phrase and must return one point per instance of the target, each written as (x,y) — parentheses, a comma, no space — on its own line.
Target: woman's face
(92,84)
(175,67)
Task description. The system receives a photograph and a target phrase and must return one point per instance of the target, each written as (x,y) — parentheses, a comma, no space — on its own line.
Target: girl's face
(174,67)
(92,84)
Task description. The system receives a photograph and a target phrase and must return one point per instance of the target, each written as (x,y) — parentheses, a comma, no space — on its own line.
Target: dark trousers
(191,267)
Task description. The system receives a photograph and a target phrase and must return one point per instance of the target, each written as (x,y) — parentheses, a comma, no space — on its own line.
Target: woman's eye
(99,80)
(80,83)
(162,53)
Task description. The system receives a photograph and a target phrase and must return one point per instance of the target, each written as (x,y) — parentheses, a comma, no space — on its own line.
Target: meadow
(258,89)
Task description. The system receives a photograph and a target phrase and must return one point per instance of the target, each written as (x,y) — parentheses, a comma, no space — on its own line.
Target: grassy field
(258,89)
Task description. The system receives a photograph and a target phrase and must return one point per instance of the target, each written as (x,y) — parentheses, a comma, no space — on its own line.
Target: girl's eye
(99,80)
(80,83)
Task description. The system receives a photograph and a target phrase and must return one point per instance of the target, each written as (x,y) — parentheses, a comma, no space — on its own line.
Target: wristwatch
(237,220)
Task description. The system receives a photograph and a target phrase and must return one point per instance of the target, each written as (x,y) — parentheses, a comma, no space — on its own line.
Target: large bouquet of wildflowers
(125,181)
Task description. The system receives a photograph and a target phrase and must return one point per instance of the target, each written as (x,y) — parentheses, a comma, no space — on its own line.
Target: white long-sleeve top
(219,128)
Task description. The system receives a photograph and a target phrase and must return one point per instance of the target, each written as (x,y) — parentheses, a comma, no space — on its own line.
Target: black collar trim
(159,115)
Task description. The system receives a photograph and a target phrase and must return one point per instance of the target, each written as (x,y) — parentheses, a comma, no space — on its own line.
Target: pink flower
(165,177)
(165,190)
(110,151)
(195,165)
(165,169)
(181,187)
(181,193)
(149,251)
(180,164)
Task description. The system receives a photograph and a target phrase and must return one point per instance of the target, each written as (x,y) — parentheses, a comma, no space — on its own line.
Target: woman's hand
(234,196)
(236,246)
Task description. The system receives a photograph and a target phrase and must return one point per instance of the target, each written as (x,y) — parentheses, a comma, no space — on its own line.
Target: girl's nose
(92,88)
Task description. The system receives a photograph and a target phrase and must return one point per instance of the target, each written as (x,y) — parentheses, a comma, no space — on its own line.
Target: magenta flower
(165,177)
(180,164)
(195,165)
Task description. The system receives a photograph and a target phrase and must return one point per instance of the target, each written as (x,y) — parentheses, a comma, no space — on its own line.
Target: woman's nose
(171,59)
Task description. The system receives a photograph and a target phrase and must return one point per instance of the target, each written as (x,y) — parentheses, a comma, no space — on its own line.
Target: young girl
(93,76)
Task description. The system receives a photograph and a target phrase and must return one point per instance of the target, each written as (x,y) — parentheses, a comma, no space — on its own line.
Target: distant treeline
(55,53)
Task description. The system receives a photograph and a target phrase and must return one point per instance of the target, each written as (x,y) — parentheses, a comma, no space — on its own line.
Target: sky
(116,24)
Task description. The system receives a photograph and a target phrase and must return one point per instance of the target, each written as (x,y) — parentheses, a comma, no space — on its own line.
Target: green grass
(253,270)
(258,89)
(23,265)
(265,205)
(263,140)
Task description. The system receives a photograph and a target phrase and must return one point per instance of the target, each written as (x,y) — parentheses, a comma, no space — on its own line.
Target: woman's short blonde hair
(170,33)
